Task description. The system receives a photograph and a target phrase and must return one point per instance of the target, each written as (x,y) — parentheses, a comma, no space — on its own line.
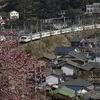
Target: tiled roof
(93,95)
(50,56)
(58,72)
(78,56)
(76,82)
(64,91)
(63,50)
(76,39)
(90,65)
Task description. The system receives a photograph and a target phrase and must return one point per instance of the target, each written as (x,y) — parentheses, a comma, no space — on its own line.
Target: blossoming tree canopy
(15,65)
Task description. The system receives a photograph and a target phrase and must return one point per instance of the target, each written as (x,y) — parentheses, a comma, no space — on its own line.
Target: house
(63,50)
(2,22)
(78,57)
(96,97)
(72,62)
(70,67)
(14,15)
(89,9)
(96,84)
(64,91)
(90,66)
(92,95)
(54,77)
(75,41)
(62,13)
(94,8)
(49,20)
(79,85)
(90,43)
(0,17)
(96,52)
(48,57)
(49,60)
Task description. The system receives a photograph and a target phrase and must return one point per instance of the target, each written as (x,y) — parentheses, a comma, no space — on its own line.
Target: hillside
(32,11)
(45,8)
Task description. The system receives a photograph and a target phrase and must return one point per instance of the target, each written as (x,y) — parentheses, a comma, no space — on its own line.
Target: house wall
(52,79)
(76,44)
(90,87)
(14,15)
(82,92)
(68,69)
(97,60)
(95,8)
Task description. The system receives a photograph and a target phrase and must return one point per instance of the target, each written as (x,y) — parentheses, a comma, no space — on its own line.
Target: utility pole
(31,29)
(76,95)
(44,89)
(64,21)
(11,27)
(79,20)
(24,17)
(18,35)
(95,47)
(50,29)
(41,30)
(35,78)
(37,27)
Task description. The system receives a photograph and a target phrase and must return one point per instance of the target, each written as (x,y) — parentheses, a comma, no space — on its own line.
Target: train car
(57,32)
(25,38)
(46,34)
(36,36)
(79,28)
(97,25)
(89,27)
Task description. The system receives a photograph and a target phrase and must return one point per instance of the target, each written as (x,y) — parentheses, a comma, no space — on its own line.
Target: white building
(14,15)
(52,79)
(0,17)
(68,69)
(95,8)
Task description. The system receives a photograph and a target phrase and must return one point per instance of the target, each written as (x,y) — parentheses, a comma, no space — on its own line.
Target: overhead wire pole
(40,36)
(50,29)
(37,27)
(76,95)
(93,28)
(41,30)
(64,22)
(93,25)
(35,80)
(31,29)
(24,16)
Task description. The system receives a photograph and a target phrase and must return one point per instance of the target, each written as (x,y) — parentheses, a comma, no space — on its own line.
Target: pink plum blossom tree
(15,67)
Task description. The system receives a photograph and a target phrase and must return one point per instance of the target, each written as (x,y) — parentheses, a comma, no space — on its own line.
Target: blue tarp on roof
(76,88)
(63,50)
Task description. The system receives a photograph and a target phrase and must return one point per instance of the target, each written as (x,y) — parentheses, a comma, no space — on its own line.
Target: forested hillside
(32,9)
(44,8)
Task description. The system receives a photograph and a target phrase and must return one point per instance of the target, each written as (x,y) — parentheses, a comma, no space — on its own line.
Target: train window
(23,37)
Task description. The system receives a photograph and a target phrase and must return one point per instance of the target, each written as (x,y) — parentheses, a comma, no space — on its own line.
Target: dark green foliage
(44,8)
(31,10)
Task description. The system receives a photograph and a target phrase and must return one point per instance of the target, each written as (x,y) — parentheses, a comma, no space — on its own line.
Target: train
(35,36)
